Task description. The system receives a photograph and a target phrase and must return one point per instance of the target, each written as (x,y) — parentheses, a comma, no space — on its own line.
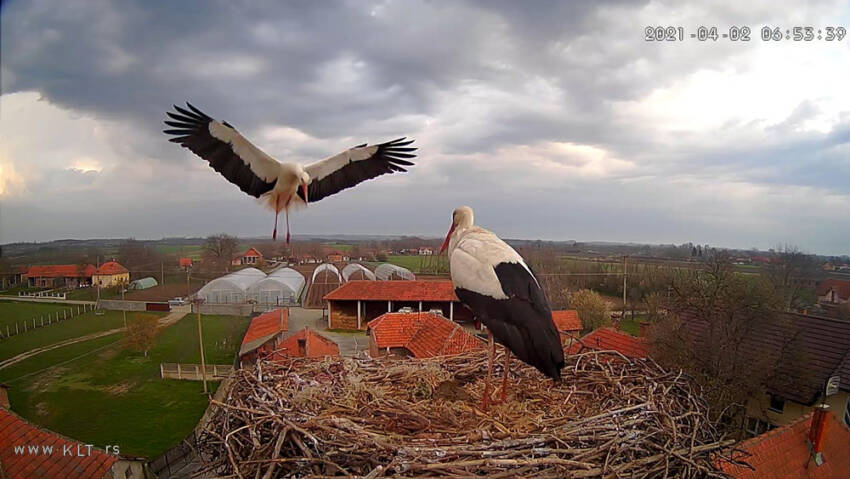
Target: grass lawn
(90,294)
(114,396)
(415,263)
(78,326)
(632,326)
(12,312)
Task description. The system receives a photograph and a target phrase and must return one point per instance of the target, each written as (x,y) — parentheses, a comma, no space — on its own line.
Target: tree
(653,305)
(591,308)
(787,268)
(733,308)
(141,333)
(219,251)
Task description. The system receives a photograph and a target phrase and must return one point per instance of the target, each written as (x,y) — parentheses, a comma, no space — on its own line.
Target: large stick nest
(608,417)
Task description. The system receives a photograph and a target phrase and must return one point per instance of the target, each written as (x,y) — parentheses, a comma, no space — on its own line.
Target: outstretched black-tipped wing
(227,151)
(356,165)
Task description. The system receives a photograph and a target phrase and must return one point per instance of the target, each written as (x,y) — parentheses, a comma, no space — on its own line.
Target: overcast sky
(553,123)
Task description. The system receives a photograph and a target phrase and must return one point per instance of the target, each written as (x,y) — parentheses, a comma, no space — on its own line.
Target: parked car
(176,301)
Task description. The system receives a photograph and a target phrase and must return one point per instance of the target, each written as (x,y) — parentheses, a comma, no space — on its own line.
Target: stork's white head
(295,177)
(462,218)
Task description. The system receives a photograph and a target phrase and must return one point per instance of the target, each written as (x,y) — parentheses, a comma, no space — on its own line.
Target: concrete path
(164,322)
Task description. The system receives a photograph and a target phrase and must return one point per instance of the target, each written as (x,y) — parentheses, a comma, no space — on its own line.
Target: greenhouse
(325,279)
(231,288)
(143,283)
(281,286)
(356,271)
(326,273)
(388,272)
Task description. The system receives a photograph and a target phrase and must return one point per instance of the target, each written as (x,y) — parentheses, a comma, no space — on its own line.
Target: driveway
(349,343)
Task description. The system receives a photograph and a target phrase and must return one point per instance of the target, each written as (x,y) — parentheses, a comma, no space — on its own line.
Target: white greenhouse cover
(231,288)
(326,267)
(386,270)
(283,285)
(352,268)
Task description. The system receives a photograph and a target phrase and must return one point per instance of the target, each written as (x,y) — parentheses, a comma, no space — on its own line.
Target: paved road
(349,343)
(164,322)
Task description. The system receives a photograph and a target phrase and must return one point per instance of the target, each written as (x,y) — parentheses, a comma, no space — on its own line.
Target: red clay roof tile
(394,291)
(316,345)
(840,286)
(609,339)
(61,270)
(423,334)
(783,453)
(275,321)
(566,320)
(111,267)
(18,432)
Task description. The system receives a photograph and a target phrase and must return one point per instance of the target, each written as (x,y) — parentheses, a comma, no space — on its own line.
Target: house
(333,255)
(306,344)
(807,350)
(814,446)
(264,335)
(354,304)
(567,323)
(251,257)
(609,339)
(55,456)
(421,335)
(12,277)
(110,274)
(56,275)
(425,251)
(185,262)
(833,291)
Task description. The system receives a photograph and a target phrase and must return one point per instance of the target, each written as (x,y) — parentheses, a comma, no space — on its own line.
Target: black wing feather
(389,158)
(192,130)
(523,322)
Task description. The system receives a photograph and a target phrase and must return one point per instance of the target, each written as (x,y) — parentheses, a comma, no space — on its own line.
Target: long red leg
(274,233)
(485,401)
(287,226)
(505,373)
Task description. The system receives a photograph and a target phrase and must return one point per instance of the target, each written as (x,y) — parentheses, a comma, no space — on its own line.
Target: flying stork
(281,185)
(493,280)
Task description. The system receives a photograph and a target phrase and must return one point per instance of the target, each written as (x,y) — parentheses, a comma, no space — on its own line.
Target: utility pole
(123,306)
(188,288)
(197,303)
(162,272)
(624,287)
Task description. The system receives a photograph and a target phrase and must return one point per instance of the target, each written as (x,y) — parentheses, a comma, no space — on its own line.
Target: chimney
(817,432)
(4,397)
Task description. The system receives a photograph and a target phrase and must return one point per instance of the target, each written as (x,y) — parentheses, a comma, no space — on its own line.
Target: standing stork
(492,280)
(282,185)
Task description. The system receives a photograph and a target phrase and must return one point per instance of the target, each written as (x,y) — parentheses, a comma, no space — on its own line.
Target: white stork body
(262,176)
(493,280)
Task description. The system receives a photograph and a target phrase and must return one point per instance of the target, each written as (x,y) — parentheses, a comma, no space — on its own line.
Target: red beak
(448,236)
(304,190)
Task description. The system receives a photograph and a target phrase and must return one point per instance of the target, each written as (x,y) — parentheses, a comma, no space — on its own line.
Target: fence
(42,294)
(39,321)
(192,372)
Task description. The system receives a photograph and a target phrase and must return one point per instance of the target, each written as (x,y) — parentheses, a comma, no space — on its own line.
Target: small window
(302,347)
(777,404)
(756,426)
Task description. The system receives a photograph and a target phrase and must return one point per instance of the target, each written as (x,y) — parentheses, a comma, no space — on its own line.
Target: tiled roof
(840,286)
(316,346)
(111,267)
(61,270)
(814,349)
(423,334)
(184,262)
(609,339)
(566,320)
(394,291)
(264,327)
(784,454)
(15,431)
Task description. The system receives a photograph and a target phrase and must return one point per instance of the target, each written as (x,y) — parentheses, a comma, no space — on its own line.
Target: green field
(416,263)
(12,312)
(72,328)
(90,294)
(114,396)
(187,251)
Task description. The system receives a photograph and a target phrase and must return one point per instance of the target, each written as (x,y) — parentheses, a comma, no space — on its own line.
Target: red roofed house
(421,335)
(355,303)
(110,274)
(307,344)
(815,446)
(264,335)
(833,291)
(608,339)
(185,262)
(252,256)
(49,276)
(567,323)
(28,451)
